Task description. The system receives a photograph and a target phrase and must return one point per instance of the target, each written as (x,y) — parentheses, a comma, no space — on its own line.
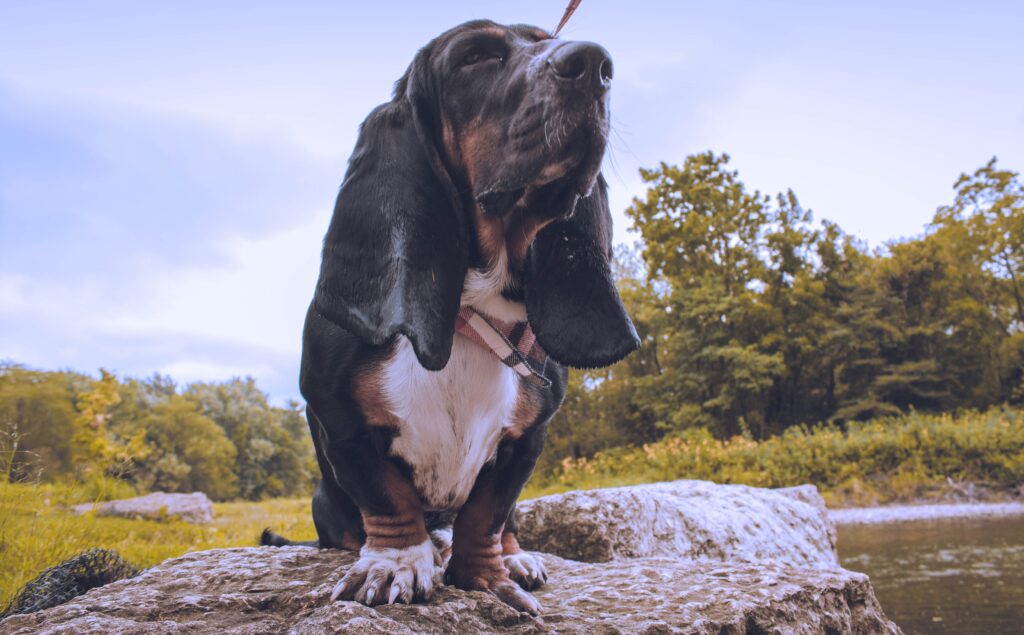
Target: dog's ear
(571,300)
(395,254)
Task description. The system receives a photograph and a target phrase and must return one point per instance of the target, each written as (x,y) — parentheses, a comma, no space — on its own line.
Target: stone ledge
(287,590)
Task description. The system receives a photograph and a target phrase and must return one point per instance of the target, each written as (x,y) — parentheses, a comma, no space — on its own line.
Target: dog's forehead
(525,32)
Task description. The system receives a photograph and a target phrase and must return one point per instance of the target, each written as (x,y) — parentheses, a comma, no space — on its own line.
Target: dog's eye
(476,57)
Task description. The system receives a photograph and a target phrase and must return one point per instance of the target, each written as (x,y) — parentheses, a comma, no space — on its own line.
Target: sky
(167,170)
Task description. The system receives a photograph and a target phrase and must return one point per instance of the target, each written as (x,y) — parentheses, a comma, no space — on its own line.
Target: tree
(36,423)
(273,450)
(188,452)
(703,246)
(97,449)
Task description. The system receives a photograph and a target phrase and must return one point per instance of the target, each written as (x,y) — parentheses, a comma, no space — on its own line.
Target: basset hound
(467,264)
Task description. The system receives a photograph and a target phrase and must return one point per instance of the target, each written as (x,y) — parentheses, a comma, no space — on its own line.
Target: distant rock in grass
(695,520)
(69,579)
(193,508)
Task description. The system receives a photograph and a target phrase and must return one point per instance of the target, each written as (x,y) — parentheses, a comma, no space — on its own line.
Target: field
(915,457)
(37,531)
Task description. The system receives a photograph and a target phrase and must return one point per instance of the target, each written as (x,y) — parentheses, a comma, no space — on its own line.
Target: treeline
(755,319)
(224,439)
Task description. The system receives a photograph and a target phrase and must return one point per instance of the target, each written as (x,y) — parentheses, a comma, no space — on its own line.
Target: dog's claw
(511,594)
(526,569)
(389,575)
(350,582)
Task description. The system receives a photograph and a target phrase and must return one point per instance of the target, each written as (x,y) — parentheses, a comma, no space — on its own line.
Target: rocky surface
(696,520)
(286,590)
(192,508)
(684,557)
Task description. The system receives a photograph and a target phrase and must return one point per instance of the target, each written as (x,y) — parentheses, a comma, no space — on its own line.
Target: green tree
(37,420)
(703,246)
(187,451)
(273,450)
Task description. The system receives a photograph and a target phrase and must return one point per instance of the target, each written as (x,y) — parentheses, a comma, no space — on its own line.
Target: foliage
(884,460)
(223,439)
(273,457)
(37,419)
(754,319)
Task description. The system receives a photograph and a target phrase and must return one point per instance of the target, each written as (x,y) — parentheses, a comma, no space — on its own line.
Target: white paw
(442,539)
(390,575)
(526,569)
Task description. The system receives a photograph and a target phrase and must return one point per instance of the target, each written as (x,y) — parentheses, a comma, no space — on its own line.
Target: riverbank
(907,513)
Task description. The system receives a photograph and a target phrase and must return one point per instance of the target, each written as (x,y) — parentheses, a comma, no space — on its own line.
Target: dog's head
(488,156)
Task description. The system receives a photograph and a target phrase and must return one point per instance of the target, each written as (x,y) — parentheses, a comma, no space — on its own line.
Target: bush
(866,463)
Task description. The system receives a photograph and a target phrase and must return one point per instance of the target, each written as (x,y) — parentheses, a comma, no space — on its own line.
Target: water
(959,576)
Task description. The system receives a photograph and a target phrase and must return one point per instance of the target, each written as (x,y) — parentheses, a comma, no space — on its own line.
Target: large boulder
(287,590)
(193,508)
(684,557)
(697,521)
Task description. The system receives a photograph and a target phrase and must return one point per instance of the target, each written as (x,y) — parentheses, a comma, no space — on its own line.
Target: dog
(466,265)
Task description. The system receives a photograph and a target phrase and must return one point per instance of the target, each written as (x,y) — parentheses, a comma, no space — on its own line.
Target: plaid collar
(511,342)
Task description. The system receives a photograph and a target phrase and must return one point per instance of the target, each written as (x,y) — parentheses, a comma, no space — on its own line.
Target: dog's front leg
(477,562)
(398,562)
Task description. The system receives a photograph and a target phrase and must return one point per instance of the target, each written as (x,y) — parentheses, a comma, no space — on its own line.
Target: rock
(287,590)
(683,557)
(193,508)
(698,521)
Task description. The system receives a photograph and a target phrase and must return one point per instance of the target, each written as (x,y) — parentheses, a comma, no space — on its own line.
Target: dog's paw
(493,580)
(526,569)
(442,540)
(390,575)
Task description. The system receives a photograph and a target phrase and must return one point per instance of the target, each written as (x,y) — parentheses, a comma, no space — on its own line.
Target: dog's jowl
(467,264)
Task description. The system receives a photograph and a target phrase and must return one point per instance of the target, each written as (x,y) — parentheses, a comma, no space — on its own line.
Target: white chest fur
(450,421)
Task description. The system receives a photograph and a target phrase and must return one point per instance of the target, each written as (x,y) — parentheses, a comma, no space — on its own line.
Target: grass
(38,531)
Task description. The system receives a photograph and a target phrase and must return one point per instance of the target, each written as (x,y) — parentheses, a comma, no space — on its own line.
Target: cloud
(146,243)
(83,192)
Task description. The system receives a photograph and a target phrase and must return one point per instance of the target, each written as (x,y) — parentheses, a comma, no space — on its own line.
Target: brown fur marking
(528,404)
(368,391)
(476,544)
(404,528)
(509,544)
(521,231)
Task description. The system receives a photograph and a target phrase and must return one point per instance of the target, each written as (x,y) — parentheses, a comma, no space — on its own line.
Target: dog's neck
(484,290)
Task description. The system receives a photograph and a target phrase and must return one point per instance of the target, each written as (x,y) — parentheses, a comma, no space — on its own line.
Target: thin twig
(569,10)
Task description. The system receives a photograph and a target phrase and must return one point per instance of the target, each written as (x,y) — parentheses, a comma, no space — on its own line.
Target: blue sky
(167,171)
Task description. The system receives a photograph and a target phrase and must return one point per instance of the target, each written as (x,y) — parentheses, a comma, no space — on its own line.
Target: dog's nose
(583,63)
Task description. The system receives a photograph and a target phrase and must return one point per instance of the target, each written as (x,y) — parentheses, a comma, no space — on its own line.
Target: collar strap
(511,342)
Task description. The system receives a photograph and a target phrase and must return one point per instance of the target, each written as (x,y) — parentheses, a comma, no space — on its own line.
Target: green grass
(38,531)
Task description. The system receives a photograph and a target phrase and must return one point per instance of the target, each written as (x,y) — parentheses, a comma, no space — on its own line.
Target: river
(960,575)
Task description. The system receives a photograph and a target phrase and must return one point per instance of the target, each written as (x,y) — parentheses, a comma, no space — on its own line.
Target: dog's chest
(450,421)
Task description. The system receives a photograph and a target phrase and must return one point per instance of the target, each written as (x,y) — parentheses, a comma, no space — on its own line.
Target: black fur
(395,253)
(571,300)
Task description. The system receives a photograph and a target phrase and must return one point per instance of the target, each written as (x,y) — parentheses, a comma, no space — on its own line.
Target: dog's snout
(583,63)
